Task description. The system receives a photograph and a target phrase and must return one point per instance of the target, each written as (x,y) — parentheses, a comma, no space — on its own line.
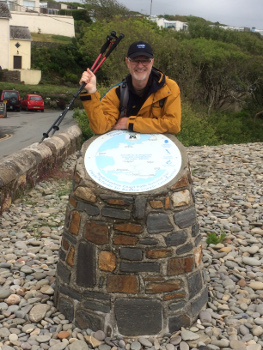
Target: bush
(83,123)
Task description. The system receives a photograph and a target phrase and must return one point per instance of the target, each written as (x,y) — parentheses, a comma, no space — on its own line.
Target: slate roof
(20,33)
(4,10)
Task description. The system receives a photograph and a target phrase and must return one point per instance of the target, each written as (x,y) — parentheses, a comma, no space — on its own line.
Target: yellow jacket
(153,116)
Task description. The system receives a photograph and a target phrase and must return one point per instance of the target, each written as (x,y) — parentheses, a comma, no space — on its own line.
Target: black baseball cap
(140,48)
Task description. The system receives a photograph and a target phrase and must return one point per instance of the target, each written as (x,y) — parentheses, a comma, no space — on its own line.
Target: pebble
(228,186)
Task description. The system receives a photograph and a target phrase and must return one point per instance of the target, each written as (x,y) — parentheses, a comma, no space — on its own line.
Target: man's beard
(139,76)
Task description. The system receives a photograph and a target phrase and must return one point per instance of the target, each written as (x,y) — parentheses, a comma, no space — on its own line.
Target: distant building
(240,29)
(20,47)
(260,31)
(174,25)
(15,53)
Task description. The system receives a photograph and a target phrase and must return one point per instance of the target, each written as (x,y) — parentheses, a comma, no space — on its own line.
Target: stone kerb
(131,263)
(20,171)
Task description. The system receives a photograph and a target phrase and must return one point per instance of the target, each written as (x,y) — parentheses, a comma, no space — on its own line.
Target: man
(153,104)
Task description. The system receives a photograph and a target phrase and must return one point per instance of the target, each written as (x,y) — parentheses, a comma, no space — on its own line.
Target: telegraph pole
(151,8)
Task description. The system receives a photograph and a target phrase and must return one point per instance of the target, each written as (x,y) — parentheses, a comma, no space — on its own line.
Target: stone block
(107,261)
(181,198)
(139,267)
(71,293)
(118,200)
(176,238)
(167,203)
(138,316)
(139,207)
(66,307)
(158,223)
(116,213)
(63,272)
(85,193)
(133,254)
(124,240)
(96,295)
(198,303)
(129,228)
(148,241)
(163,286)
(64,244)
(175,296)
(176,306)
(198,254)
(74,223)
(97,232)
(186,248)
(177,266)
(86,265)
(183,182)
(73,202)
(158,253)
(175,323)
(195,230)
(90,209)
(198,240)
(96,306)
(195,284)
(185,218)
(70,256)
(122,284)
(62,254)
(156,204)
(87,319)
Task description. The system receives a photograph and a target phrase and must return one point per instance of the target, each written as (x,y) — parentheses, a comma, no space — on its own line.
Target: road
(22,129)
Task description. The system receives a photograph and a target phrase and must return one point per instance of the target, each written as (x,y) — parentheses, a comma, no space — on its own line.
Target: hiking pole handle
(117,41)
(120,37)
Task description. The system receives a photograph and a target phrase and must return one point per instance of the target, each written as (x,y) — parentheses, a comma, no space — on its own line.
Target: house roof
(4,10)
(20,33)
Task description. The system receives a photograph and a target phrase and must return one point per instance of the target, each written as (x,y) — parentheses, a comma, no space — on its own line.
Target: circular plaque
(126,161)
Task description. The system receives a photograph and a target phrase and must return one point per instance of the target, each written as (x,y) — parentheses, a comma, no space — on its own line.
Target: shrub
(83,123)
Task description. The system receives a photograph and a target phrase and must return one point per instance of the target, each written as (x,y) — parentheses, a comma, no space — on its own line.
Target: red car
(32,102)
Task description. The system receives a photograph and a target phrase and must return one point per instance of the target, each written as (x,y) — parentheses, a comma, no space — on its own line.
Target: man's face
(140,67)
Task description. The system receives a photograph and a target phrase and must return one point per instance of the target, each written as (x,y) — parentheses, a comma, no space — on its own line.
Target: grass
(50,38)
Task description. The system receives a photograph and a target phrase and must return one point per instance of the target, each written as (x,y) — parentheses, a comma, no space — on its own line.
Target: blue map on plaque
(126,161)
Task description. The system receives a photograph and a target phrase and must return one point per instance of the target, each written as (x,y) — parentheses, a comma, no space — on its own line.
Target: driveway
(21,129)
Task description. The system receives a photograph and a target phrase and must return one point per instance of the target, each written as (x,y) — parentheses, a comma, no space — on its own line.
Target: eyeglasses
(144,62)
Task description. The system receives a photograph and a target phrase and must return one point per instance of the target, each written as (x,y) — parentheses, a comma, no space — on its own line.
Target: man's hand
(121,124)
(89,78)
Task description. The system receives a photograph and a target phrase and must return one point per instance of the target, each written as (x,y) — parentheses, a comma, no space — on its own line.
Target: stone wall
(20,171)
(10,76)
(131,263)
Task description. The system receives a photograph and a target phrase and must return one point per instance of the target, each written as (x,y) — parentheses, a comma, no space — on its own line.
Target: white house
(164,23)
(28,12)
(15,53)
(4,35)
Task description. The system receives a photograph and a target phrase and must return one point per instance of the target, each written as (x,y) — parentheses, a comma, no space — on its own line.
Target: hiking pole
(106,49)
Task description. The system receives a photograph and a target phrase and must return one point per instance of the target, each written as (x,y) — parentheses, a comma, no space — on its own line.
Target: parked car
(12,99)
(32,102)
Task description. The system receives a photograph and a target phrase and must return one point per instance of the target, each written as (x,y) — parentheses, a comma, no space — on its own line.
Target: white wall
(44,24)
(30,76)
(5,42)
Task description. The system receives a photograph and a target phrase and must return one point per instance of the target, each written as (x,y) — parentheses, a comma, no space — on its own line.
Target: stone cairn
(130,264)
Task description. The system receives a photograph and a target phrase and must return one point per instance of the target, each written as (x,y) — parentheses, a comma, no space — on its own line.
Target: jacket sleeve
(103,114)
(150,119)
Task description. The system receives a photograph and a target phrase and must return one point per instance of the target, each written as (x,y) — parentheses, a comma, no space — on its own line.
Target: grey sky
(242,13)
